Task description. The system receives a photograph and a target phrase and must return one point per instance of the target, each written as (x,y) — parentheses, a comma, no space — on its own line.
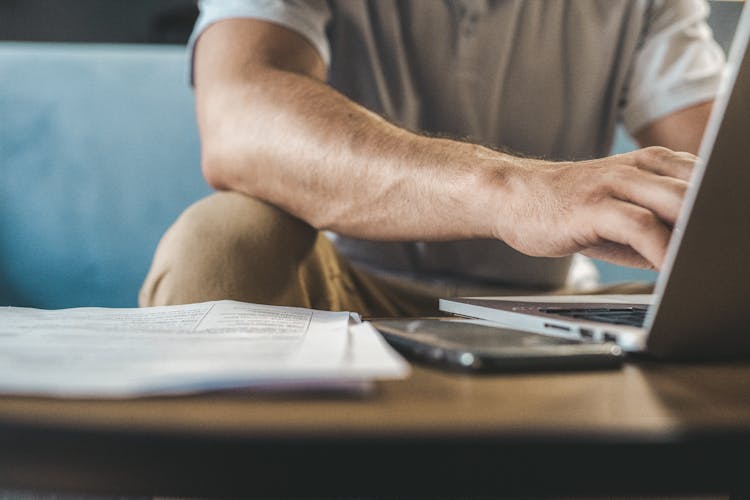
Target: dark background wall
(108,21)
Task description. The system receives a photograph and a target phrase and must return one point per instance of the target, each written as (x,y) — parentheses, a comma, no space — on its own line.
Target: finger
(627,224)
(657,193)
(621,255)
(663,161)
(686,155)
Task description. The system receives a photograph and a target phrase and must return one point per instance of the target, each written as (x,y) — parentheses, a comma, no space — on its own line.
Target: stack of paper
(99,352)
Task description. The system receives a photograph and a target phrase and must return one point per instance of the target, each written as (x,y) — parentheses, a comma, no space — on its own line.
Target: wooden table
(648,428)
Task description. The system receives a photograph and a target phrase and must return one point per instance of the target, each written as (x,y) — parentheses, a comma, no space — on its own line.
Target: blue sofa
(99,154)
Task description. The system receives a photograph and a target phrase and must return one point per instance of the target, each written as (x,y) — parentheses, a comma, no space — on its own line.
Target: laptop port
(610,337)
(557,327)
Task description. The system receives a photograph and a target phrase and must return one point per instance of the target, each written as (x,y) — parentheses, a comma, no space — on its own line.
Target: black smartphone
(477,345)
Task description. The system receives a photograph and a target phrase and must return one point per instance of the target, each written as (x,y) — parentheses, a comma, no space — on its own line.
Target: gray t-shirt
(538,77)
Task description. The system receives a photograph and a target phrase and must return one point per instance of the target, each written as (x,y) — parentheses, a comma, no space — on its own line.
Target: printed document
(102,352)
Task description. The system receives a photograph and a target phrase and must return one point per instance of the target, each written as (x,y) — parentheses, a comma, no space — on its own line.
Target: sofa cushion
(99,154)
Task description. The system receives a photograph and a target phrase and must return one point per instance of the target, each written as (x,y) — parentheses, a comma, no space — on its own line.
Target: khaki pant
(231,246)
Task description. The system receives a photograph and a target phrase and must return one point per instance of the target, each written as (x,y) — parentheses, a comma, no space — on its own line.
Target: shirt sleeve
(306,17)
(678,63)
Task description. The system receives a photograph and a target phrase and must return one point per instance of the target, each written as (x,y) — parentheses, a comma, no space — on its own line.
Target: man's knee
(227,246)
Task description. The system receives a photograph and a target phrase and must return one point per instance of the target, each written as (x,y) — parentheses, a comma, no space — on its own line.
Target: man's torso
(536,78)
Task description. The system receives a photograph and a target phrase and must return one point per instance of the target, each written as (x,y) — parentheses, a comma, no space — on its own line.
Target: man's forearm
(272,129)
(297,143)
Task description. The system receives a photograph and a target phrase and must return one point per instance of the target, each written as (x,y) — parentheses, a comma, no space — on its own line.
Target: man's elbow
(232,169)
(211,168)
(228,150)
(219,166)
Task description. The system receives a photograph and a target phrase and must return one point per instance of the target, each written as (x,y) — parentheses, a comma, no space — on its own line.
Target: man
(369,119)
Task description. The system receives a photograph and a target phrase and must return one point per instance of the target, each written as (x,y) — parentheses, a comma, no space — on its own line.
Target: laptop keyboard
(631,316)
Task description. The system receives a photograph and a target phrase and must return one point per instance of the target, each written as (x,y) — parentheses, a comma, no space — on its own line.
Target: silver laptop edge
(523,313)
(674,326)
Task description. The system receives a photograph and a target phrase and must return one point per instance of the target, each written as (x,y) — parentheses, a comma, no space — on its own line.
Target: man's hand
(619,209)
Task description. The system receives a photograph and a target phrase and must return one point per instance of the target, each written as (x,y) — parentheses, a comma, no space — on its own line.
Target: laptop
(700,307)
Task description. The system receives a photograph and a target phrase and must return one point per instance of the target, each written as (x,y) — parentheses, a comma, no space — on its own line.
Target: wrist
(497,183)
